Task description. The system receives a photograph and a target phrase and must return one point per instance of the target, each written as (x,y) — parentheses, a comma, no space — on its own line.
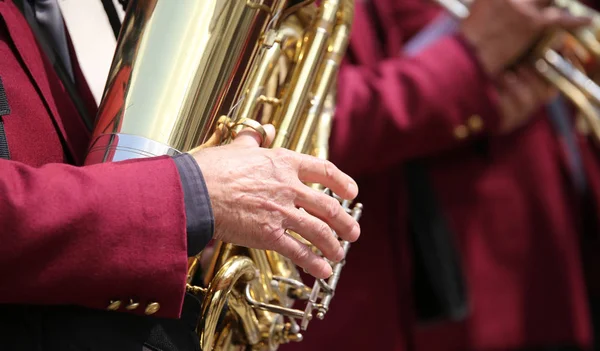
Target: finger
(557,17)
(317,232)
(540,3)
(546,89)
(507,104)
(538,86)
(248,137)
(519,92)
(251,137)
(316,170)
(329,210)
(542,90)
(302,256)
(270,129)
(509,110)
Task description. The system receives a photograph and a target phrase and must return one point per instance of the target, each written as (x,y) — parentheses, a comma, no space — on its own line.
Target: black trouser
(595,312)
(33,328)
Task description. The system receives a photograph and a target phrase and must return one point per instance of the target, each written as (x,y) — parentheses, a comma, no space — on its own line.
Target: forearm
(93,234)
(407,107)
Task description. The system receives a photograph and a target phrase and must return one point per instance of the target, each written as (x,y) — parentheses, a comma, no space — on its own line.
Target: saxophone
(193,73)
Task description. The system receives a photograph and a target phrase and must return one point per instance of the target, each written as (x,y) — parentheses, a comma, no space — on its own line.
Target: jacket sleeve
(94,235)
(407,107)
(398,106)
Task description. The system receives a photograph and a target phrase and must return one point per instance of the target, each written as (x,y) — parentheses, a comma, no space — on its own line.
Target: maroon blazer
(516,216)
(79,235)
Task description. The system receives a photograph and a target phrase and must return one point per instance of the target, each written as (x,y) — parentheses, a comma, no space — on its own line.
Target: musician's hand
(256,192)
(501,31)
(522,92)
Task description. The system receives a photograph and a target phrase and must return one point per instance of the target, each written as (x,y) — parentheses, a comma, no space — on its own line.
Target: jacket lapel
(30,54)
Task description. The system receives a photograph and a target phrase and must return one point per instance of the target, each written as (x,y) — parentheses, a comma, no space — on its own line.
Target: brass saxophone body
(194,72)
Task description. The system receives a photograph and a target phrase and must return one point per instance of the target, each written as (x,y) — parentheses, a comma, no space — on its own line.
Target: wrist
(483,50)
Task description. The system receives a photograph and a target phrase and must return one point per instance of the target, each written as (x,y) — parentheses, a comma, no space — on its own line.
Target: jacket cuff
(200,222)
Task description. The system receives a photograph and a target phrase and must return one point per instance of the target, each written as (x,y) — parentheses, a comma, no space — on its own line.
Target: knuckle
(329,169)
(274,232)
(332,208)
(291,192)
(300,254)
(324,231)
(281,152)
(299,222)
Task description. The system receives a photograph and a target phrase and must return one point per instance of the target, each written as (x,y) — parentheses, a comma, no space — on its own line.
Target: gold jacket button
(461,132)
(114,305)
(152,308)
(475,123)
(132,305)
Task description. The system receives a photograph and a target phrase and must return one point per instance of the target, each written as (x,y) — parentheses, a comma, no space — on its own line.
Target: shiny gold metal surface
(152,308)
(569,60)
(132,305)
(475,123)
(290,81)
(237,269)
(176,70)
(114,305)
(192,73)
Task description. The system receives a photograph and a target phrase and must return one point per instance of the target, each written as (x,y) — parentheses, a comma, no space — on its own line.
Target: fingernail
(356,232)
(340,254)
(352,188)
(327,272)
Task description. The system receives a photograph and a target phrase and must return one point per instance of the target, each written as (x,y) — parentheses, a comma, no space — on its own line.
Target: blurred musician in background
(478,196)
(95,257)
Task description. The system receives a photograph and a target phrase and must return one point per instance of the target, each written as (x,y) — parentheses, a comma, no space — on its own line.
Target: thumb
(270,129)
(250,138)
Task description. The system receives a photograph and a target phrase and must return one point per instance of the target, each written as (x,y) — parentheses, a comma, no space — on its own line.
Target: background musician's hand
(521,92)
(501,31)
(256,192)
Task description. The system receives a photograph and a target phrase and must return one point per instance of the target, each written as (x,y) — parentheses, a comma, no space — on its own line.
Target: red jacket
(79,235)
(513,208)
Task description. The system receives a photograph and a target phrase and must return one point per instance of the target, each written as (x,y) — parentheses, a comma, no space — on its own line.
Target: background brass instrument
(194,72)
(577,83)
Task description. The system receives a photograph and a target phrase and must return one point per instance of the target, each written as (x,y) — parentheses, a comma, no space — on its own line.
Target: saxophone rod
(583,82)
(332,283)
(337,270)
(290,312)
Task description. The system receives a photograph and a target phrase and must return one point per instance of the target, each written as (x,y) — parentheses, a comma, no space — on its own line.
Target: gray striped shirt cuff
(198,210)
